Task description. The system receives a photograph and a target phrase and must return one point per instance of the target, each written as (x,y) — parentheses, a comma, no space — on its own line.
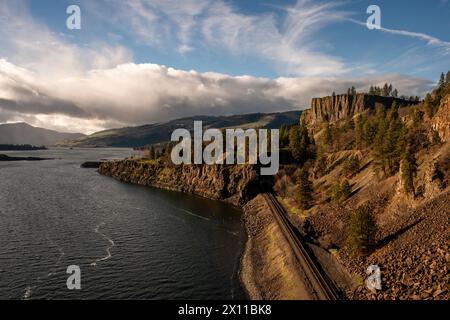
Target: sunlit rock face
(335,108)
(236,184)
(441,121)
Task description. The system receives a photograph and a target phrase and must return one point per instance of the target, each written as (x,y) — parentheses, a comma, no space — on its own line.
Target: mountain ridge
(139,136)
(21,133)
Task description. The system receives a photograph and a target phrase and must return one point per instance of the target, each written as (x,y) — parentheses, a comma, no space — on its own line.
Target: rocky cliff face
(334,108)
(441,121)
(235,184)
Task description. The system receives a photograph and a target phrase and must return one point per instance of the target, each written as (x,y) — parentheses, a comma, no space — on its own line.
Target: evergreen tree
(152,153)
(380,152)
(369,132)
(409,170)
(340,191)
(435,138)
(447,78)
(359,132)
(328,137)
(305,189)
(417,116)
(430,105)
(442,80)
(362,231)
(284,136)
(395,93)
(320,168)
(300,144)
(385,91)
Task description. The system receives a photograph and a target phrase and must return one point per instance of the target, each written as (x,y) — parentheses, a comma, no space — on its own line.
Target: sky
(144,61)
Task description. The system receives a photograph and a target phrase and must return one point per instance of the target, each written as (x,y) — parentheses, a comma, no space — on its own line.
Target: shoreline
(268,269)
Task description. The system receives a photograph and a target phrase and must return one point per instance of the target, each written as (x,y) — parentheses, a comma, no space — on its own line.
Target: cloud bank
(47,80)
(147,93)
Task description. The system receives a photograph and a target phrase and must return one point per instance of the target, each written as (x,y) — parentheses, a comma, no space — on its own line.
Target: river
(130,242)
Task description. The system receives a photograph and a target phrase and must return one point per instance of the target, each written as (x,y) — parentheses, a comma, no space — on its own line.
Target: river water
(130,242)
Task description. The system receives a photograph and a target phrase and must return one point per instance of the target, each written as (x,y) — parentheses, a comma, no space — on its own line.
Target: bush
(352,165)
(340,191)
(362,230)
(320,169)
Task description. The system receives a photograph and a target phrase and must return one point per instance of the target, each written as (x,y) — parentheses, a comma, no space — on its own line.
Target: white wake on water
(108,248)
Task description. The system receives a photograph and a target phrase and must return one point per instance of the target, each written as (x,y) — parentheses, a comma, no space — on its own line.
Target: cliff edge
(338,107)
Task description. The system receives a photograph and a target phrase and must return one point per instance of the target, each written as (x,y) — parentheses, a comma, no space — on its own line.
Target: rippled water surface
(129,241)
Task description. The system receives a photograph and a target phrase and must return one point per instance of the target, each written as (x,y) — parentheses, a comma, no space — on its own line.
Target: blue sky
(343,39)
(245,56)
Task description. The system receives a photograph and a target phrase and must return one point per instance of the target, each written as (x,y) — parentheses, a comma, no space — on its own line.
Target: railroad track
(323,287)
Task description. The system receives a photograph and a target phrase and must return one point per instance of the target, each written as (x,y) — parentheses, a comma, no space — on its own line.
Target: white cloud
(132,94)
(47,81)
(32,45)
(430,40)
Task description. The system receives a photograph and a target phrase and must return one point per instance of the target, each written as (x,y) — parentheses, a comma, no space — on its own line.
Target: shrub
(352,165)
(340,191)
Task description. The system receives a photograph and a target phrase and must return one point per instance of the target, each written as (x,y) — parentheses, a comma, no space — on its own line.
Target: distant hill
(161,132)
(22,133)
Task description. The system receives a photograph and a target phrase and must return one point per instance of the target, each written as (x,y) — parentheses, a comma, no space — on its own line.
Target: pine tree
(359,132)
(447,78)
(152,153)
(395,93)
(409,170)
(305,192)
(362,231)
(435,138)
(328,138)
(369,132)
(284,136)
(442,80)
(385,91)
(300,144)
(340,191)
(379,149)
(429,105)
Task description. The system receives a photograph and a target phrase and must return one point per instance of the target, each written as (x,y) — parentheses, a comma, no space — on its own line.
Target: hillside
(388,164)
(161,132)
(23,133)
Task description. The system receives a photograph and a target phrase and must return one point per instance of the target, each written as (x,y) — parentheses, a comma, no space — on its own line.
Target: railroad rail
(323,288)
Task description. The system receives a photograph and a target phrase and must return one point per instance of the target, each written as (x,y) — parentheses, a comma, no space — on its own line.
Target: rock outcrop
(335,108)
(441,121)
(235,184)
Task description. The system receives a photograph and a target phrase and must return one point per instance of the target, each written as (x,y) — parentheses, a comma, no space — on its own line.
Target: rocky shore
(4,157)
(233,184)
(268,268)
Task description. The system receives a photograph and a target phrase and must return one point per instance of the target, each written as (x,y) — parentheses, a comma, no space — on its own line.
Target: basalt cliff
(234,184)
(338,107)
